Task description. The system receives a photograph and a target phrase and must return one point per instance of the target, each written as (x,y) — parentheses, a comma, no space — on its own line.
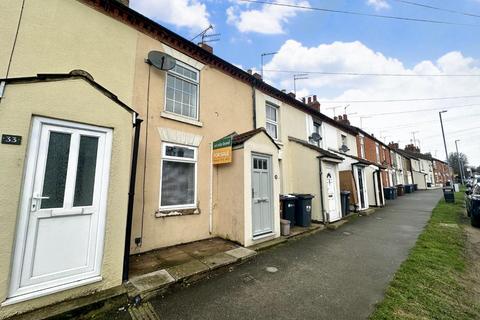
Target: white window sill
(173,116)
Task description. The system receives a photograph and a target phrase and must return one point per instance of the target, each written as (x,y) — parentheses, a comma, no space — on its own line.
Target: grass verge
(432,282)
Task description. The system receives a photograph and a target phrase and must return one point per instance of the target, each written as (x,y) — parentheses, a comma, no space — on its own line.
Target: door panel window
(56,170)
(86,167)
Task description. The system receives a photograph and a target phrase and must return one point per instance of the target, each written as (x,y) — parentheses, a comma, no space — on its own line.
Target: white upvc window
(271,111)
(362,146)
(178,185)
(182,87)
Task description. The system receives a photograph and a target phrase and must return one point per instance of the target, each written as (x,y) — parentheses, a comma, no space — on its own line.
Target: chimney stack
(313,103)
(342,119)
(124,2)
(412,148)
(205,47)
(393,145)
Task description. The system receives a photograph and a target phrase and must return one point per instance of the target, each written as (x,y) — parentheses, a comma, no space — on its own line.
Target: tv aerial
(207,37)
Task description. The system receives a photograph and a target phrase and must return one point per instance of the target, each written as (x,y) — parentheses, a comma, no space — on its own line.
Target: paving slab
(152,281)
(218,260)
(241,253)
(188,269)
(336,225)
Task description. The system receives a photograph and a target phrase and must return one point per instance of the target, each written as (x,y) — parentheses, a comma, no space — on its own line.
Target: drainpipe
(131,196)
(321,190)
(254,103)
(375,183)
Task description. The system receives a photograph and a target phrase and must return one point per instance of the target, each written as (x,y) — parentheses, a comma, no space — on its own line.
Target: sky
(320,42)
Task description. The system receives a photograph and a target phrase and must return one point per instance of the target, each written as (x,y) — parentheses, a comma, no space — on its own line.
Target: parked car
(472,197)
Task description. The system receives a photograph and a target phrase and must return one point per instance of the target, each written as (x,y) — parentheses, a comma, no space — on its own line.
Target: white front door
(262,204)
(334,213)
(59,239)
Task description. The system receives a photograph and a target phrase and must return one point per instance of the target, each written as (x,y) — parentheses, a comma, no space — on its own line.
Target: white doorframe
(17,292)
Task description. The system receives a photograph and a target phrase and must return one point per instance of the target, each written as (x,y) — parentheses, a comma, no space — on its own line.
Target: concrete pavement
(337,274)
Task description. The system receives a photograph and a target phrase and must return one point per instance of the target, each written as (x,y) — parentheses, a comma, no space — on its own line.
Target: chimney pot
(309,100)
(303,99)
(291,94)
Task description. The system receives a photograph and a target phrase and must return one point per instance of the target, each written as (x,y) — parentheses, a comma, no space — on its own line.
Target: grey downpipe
(321,191)
(131,196)
(254,103)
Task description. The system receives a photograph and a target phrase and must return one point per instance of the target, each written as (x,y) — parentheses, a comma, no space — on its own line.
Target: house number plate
(11,139)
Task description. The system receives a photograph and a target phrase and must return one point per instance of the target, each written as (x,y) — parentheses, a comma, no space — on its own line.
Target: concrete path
(337,274)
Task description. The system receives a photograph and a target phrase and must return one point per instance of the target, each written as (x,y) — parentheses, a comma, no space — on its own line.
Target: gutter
(131,196)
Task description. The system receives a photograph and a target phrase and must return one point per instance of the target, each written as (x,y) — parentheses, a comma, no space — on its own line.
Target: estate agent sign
(222,151)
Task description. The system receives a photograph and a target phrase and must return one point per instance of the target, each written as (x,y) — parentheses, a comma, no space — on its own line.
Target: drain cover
(347,233)
(271,269)
(246,278)
(378,218)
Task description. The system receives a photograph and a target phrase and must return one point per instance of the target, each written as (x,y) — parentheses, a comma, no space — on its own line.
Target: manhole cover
(271,269)
(347,233)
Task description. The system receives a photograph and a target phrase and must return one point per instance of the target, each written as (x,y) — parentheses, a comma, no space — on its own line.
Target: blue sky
(314,41)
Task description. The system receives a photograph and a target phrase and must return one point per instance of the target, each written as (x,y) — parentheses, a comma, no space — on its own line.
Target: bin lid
(345,192)
(287,197)
(304,195)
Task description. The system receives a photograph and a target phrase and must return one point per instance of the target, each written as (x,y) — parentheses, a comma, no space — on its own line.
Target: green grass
(432,282)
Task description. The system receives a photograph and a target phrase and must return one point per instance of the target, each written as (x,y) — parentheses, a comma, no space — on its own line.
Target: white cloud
(378,4)
(182,13)
(267,20)
(356,57)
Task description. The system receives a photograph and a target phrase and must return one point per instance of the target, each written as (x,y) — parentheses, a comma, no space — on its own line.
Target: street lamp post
(460,164)
(443,133)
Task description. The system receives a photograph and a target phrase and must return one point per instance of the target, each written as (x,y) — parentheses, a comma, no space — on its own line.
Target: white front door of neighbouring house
(262,204)
(362,188)
(59,240)
(332,196)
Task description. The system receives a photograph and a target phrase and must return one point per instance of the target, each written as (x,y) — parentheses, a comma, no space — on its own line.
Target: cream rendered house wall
(57,36)
(71,100)
(292,123)
(225,106)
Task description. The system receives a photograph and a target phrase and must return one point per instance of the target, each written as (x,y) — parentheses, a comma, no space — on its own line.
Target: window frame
(362,146)
(377,153)
(271,122)
(167,158)
(182,77)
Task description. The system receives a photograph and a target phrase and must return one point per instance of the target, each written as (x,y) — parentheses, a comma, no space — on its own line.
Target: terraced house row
(106,155)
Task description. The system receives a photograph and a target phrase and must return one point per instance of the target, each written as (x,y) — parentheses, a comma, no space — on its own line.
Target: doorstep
(295,233)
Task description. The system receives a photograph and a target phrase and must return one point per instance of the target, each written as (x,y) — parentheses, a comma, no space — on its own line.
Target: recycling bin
(395,192)
(429,184)
(400,190)
(388,192)
(415,187)
(303,209)
(449,194)
(288,208)
(408,188)
(345,201)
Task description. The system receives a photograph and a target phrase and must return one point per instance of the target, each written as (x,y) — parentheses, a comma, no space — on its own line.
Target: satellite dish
(344,148)
(161,61)
(315,137)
